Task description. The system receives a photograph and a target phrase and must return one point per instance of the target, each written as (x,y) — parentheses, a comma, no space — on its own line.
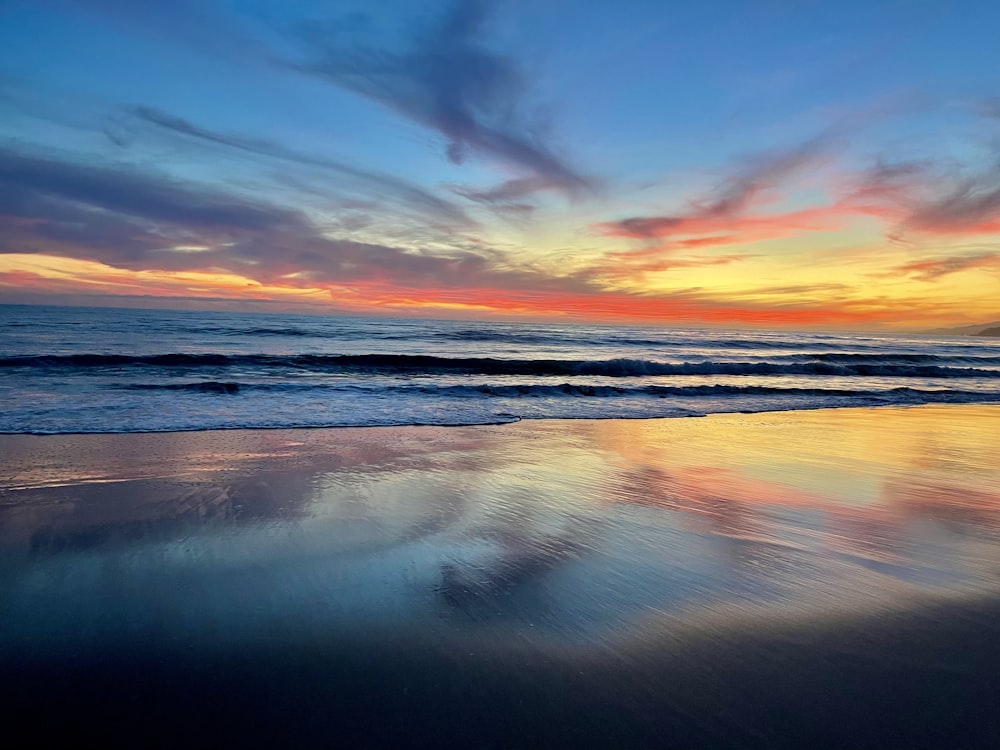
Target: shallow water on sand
(771,580)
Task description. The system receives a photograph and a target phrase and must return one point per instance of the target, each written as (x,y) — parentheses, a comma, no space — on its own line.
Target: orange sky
(783,180)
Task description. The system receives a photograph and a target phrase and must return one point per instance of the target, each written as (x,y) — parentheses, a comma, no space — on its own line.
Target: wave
(609,391)
(209,386)
(613,339)
(573,390)
(901,358)
(473,406)
(81,361)
(891,366)
(271,332)
(669,341)
(470,334)
(261,331)
(485,334)
(666,340)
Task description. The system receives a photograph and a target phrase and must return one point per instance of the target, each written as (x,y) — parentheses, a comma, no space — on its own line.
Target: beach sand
(782,580)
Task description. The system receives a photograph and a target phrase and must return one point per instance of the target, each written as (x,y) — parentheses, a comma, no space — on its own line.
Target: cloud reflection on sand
(703,577)
(576,528)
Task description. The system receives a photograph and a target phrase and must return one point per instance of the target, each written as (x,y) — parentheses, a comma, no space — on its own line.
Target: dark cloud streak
(972,205)
(731,198)
(448,80)
(934,197)
(761,172)
(932,269)
(133,193)
(130,219)
(379,185)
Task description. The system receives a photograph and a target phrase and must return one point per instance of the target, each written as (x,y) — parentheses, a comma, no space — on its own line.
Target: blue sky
(638,160)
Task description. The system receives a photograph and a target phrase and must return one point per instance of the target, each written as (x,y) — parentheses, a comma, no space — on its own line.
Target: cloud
(912,198)
(930,198)
(971,207)
(626,266)
(447,79)
(124,191)
(707,231)
(507,198)
(723,217)
(148,231)
(932,269)
(759,173)
(145,220)
(379,185)
(795,289)
(506,192)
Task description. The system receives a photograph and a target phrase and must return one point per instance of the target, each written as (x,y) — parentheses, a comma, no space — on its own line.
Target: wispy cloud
(380,186)
(145,228)
(507,198)
(759,173)
(444,75)
(794,290)
(132,193)
(912,199)
(932,269)
(725,216)
(634,269)
(708,231)
(448,79)
(930,198)
(146,220)
(970,207)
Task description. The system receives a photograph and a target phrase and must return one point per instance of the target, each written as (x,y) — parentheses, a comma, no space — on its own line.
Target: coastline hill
(979,329)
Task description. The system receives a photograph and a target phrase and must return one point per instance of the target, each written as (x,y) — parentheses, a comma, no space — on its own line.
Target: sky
(768,163)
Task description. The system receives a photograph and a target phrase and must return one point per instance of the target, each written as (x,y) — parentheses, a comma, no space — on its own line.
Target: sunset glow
(760,167)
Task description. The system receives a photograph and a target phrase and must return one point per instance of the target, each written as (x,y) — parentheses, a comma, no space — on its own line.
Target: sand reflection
(581,525)
(575,527)
(832,574)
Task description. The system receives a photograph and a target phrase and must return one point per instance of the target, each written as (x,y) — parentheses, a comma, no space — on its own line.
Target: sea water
(65,369)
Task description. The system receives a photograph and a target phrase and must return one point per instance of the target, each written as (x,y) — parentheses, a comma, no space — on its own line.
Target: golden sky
(833,169)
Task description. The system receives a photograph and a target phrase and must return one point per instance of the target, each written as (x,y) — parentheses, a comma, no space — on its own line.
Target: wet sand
(785,580)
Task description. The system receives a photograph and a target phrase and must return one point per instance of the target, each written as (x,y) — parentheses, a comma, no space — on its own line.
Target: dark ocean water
(111,370)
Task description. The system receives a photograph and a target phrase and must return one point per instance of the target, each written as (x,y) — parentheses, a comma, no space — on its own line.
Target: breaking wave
(893,365)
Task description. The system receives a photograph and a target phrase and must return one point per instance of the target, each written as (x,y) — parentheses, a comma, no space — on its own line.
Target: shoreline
(105,456)
(823,578)
(517,419)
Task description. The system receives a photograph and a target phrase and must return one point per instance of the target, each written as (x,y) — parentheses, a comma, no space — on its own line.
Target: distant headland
(979,329)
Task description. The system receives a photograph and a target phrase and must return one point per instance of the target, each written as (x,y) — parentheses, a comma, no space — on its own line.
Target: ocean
(820,578)
(104,370)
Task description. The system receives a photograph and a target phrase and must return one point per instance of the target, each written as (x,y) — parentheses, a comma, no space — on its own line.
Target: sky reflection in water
(631,550)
